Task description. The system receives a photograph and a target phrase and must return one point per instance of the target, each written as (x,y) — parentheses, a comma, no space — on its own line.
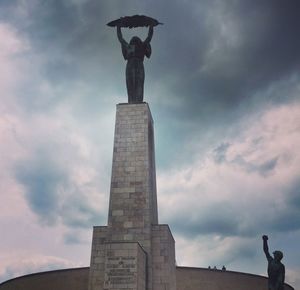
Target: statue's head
(278,255)
(135,41)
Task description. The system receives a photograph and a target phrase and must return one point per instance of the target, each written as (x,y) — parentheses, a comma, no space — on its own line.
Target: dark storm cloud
(228,75)
(218,218)
(73,36)
(72,238)
(263,168)
(288,218)
(211,60)
(52,194)
(227,220)
(240,251)
(217,62)
(251,45)
(210,54)
(294,194)
(233,219)
(285,221)
(43,181)
(220,152)
(72,50)
(77,213)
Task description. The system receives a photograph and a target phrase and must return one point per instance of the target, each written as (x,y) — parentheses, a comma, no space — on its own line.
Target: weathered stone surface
(163,258)
(125,266)
(132,217)
(133,203)
(97,266)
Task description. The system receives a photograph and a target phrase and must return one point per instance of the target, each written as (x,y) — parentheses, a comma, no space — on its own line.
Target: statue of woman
(134,53)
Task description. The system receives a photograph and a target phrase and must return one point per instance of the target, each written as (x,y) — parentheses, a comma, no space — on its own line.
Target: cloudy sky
(223,87)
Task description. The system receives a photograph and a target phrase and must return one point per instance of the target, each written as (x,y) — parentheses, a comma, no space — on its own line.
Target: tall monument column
(133,204)
(133,251)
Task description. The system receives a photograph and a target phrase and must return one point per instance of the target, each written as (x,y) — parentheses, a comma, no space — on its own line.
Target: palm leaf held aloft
(134,21)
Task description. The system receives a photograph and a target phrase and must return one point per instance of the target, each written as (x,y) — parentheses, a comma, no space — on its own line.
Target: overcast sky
(223,87)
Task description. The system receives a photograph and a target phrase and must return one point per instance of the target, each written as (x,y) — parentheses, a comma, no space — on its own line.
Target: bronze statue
(276,270)
(134,52)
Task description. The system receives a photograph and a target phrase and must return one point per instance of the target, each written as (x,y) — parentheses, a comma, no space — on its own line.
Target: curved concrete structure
(187,278)
(68,279)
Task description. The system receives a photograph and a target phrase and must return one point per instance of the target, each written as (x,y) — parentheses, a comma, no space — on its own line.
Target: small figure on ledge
(276,270)
(134,53)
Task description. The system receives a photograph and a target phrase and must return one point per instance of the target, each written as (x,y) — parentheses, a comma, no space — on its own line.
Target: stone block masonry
(133,201)
(163,258)
(125,266)
(133,204)
(97,266)
(133,251)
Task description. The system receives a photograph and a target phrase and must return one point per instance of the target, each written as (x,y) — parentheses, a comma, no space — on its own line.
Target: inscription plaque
(120,271)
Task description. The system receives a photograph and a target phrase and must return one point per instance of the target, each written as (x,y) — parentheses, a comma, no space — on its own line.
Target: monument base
(133,252)
(123,265)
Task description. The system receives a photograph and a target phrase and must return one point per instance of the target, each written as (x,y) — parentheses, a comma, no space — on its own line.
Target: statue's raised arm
(150,34)
(147,45)
(120,36)
(124,44)
(266,247)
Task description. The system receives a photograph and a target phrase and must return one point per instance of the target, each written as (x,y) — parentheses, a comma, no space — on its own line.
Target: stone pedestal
(133,236)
